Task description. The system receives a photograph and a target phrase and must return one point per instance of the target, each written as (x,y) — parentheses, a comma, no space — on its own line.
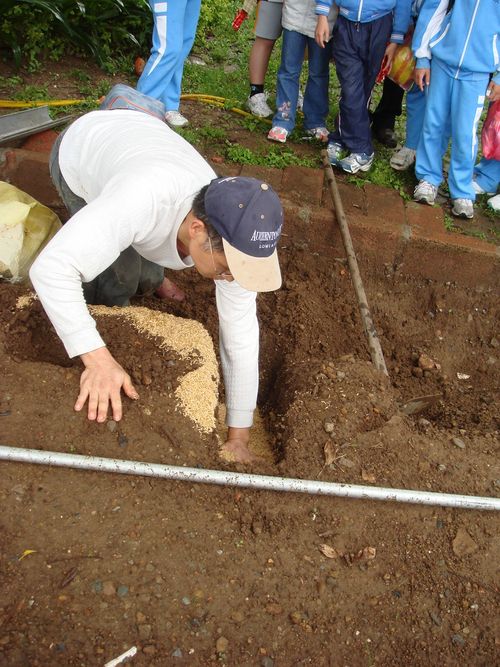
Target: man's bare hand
(236,446)
(322,34)
(422,77)
(101,383)
(493,92)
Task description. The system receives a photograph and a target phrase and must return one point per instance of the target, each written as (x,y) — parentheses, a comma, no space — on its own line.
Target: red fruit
(139,65)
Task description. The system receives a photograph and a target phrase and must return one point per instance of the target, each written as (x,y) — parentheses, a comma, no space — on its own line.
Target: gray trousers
(128,275)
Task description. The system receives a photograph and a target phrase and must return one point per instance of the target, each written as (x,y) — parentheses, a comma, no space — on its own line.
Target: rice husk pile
(197,392)
(26,300)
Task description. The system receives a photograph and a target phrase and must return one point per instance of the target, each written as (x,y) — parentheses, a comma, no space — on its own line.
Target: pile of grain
(197,391)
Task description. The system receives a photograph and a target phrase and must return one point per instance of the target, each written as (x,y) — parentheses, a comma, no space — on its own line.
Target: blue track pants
(415,111)
(487,174)
(453,110)
(357,49)
(173,36)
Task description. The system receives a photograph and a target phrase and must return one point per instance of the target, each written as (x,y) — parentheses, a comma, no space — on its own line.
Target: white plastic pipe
(224,478)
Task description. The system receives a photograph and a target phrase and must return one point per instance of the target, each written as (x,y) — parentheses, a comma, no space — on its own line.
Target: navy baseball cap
(248,215)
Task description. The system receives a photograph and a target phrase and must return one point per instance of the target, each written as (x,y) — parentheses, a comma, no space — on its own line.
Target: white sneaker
(258,106)
(425,193)
(494,203)
(403,159)
(334,151)
(319,133)
(463,208)
(357,162)
(175,119)
(278,134)
(478,189)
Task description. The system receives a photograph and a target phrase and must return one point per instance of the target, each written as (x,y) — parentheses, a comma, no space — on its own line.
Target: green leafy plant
(31,28)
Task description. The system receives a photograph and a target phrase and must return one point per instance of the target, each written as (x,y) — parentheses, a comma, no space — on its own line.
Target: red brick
(270,175)
(29,171)
(443,262)
(226,168)
(426,222)
(353,198)
(41,142)
(385,206)
(303,184)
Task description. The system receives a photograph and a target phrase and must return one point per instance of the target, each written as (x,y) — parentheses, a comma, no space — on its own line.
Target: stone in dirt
(221,645)
(463,544)
(458,442)
(108,588)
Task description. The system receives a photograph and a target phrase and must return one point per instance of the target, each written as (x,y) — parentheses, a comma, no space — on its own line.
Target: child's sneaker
(357,162)
(494,203)
(175,119)
(425,193)
(403,159)
(463,208)
(278,134)
(478,189)
(319,133)
(334,151)
(258,105)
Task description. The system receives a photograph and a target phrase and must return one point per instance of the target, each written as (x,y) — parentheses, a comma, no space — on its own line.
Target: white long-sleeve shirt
(139,179)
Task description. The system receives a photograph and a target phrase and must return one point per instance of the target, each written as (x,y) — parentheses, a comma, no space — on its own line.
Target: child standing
(359,44)
(462,46)
(267,31)
(173,36)
(299,25)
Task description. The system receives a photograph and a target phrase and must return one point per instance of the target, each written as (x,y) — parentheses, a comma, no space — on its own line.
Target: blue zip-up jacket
(364,11)
(466,40)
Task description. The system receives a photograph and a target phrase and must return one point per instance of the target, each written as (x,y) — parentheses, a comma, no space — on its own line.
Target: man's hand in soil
(101,383)
(236,446)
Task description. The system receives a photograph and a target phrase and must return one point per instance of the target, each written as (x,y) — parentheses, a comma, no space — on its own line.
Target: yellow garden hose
(213,100)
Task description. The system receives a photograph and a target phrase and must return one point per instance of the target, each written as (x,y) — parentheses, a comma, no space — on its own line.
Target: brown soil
(196,575)
(202,565)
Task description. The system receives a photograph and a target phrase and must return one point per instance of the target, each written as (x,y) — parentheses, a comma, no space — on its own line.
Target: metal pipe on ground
(371,333)
(245,480)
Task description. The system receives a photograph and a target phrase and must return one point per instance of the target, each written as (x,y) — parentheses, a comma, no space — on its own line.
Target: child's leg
(466,106)
(384,116)
(435,128)
(267,31)
(373,49)
(316,94)
(415,111)
(259,61)
(172,94)
(487,174)
(167,43)
(358,50)
(292,57)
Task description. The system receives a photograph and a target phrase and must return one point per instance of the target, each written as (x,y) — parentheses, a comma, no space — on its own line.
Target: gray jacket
(300,16)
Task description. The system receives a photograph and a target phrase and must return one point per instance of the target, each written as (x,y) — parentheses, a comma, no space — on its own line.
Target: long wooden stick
(371,333)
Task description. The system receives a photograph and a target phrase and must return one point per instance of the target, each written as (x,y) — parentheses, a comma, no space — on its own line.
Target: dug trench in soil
(195,575)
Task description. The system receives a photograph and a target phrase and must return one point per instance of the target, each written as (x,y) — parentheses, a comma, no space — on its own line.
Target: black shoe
(386,136)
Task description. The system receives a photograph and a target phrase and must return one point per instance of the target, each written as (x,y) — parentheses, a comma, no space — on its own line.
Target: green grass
(273,157)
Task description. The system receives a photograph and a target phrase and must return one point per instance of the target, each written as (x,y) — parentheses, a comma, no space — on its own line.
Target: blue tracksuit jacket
(465,40)
(364,11)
